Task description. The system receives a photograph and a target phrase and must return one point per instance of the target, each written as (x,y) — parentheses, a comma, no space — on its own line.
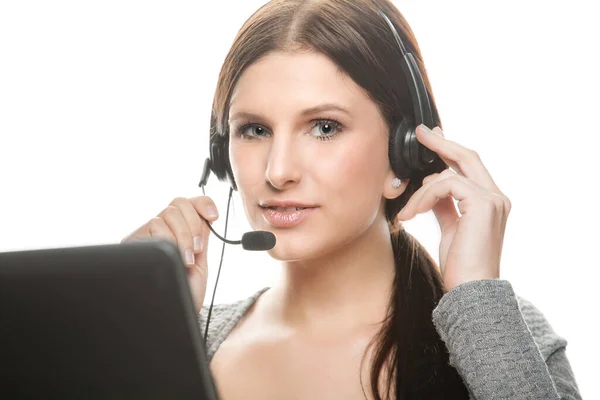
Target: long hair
(410,361)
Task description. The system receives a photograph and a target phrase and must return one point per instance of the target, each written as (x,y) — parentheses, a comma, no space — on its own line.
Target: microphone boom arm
(219,236)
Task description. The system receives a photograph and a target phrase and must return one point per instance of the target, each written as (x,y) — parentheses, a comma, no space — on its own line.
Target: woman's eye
(326,129)
(251,130)
(257,130)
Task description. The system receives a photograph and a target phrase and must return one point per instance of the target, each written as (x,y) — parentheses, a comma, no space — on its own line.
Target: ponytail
(408,345)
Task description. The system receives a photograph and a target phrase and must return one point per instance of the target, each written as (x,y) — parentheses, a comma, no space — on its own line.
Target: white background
(104,115)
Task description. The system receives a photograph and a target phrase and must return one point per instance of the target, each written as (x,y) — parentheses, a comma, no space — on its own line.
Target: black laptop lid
(110,321)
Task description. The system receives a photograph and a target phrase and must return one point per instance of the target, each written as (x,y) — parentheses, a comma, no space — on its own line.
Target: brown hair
(355,36)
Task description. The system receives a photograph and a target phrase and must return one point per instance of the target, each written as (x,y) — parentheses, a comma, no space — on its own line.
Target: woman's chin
(290,249)
(287,254)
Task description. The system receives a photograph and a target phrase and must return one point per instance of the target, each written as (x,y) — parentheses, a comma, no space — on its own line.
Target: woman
(304,106)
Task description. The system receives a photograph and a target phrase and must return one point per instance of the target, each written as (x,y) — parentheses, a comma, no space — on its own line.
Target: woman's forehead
(300,79)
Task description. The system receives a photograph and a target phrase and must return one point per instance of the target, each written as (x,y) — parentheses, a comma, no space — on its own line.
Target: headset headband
(416,85)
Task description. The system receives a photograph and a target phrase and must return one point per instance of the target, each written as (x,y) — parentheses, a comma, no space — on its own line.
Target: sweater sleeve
(501,345)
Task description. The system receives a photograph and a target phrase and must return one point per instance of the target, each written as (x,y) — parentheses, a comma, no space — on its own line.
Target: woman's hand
(471,243)
(181,223)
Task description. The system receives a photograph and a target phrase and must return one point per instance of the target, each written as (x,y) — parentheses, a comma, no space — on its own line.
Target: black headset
(407,155)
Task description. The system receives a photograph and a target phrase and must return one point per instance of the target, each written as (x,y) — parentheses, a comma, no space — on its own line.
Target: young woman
(304,107)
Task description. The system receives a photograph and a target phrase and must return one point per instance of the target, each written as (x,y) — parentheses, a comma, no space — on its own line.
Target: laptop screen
(106,321)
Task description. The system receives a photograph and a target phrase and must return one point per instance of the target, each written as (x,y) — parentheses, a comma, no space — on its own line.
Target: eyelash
(337,127)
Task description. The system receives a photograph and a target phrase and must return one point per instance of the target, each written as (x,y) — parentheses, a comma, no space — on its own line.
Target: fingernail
(189,257)
(424,129)
(438,130)
(211,212)
(197,244)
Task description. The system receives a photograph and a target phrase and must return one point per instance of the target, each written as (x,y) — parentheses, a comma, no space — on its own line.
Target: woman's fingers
(432,191)
(462,160)
(195,211)
(183,223)
(174,218)
(158,228)
(197,225)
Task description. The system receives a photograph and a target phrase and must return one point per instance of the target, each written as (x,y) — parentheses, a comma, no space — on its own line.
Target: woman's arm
(501,345)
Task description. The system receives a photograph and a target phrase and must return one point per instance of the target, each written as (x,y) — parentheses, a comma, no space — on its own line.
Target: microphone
(256,240)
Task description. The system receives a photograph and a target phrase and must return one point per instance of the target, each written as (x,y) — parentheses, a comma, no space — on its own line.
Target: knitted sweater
(499,343)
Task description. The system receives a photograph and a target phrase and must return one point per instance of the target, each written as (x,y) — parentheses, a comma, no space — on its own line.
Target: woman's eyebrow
(304,113)
(244,115)
(324,107)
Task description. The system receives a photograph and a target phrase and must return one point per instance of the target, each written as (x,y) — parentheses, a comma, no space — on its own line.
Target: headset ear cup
(228,170)
(399,149)
(216,161)
(408,156)
(220,164)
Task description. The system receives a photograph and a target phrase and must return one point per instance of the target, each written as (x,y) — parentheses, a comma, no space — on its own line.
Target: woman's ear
(394,186)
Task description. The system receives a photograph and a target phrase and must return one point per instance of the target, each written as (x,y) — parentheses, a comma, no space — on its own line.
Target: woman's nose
(282,167)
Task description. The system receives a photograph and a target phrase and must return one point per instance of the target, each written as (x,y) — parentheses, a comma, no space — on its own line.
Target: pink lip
(285,203)
(286,219)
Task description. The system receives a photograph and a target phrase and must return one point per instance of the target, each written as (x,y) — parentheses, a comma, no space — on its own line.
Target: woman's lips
(288,218)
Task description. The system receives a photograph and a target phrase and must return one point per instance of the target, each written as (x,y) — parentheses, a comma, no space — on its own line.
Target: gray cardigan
(499,343)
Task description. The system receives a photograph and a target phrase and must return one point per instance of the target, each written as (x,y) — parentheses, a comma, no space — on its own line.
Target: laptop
(107,321)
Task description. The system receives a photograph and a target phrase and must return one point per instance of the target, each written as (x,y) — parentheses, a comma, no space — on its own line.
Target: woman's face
(303,134)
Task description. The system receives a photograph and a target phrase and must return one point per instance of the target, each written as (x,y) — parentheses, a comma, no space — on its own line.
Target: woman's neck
(346,289)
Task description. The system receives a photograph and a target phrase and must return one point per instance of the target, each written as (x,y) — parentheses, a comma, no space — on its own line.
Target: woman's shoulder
(223,319)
